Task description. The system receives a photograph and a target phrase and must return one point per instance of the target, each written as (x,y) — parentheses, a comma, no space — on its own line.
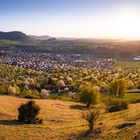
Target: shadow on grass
(79,107)
(81,136)
(10,122)
(87,135)
(137,137)
(84,134)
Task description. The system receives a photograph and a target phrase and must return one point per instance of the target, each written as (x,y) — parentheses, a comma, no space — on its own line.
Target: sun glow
(127,24)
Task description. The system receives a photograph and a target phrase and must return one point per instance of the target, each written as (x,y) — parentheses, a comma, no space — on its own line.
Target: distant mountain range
(44,37)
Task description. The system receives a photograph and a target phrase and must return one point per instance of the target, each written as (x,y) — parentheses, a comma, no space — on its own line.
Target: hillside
(14,36)
(62,120)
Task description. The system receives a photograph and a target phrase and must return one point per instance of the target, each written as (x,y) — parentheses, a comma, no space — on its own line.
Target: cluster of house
(46,62)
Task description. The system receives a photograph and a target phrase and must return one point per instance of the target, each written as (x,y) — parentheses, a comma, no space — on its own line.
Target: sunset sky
(72,18)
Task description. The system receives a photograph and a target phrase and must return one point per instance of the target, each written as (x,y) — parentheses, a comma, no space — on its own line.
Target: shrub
(130,85)
(4,89)
(66,89)
(91,117)
(117,88)
(89,95)
(116,104)
(28,113)
(60,83)
(52,81)
(30,94)
(44,94)
(13,90)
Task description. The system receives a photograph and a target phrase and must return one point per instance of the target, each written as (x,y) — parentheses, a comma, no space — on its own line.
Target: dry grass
(62,120)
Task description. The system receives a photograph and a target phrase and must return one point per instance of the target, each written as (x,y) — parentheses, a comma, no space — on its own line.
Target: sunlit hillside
(62,120)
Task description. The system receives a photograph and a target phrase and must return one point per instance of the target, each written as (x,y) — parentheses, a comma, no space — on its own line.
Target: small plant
(28,113)
(117,88)
(89,95)
(91,117)
(116,104)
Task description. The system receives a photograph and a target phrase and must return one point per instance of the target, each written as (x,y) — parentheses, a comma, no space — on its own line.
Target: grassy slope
(4,42)
(63,122)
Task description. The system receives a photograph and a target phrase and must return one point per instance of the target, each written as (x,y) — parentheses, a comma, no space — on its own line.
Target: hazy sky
(72,18)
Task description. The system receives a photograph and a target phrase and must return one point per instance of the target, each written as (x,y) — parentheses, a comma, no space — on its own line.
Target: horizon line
(69,37)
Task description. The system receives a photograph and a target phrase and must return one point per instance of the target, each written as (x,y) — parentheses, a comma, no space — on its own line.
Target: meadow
(62,120)
(131,97)
(128,64)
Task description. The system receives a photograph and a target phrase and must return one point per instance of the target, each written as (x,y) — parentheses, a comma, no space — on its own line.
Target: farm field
(128,64)
(133,96)
(129,96)
(62,120)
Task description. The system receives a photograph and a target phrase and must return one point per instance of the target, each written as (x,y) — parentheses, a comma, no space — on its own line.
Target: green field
(132,97)
(127,64)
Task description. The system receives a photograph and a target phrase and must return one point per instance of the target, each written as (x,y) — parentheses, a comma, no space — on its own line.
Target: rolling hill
(14,36)
(62,120)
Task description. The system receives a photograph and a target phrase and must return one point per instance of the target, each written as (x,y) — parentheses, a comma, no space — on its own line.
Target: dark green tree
(28,113)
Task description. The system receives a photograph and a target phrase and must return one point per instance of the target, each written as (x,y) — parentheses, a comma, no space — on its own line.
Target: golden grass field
(62,121)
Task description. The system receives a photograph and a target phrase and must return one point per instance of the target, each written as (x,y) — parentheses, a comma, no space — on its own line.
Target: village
(46,62)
